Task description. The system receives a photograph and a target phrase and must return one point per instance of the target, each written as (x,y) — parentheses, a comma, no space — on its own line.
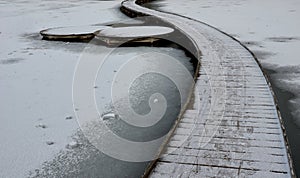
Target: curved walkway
(235,129)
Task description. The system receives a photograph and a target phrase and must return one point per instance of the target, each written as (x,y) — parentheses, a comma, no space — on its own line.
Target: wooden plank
(239,132)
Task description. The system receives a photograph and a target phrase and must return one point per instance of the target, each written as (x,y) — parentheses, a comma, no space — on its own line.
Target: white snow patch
(73,145)
(74,30)
(108,116)
(133,32)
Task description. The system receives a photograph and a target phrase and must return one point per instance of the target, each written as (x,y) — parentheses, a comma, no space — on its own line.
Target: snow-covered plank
(239,131)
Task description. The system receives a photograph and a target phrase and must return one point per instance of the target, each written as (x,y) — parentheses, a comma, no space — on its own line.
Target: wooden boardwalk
(234,128)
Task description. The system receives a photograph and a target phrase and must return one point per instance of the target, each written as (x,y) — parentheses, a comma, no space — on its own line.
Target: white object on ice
(109,116)
(73,145)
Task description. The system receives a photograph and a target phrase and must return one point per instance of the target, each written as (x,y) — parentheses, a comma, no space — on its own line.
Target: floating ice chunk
(108,116)
(73,145)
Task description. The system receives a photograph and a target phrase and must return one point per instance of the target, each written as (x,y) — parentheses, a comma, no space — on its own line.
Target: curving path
(234,128)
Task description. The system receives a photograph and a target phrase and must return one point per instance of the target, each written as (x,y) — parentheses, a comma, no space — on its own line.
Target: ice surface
(49,143)
(69,118)
(36,78)
(36,85)
(127,22)
(42,126)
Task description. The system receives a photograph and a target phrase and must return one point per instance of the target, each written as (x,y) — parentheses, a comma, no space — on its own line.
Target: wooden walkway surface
(234,128)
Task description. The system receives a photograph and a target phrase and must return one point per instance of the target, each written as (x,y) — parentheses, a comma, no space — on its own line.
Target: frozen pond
(40,135)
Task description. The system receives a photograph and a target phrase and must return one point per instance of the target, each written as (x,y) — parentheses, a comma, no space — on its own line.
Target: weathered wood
(240,134)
